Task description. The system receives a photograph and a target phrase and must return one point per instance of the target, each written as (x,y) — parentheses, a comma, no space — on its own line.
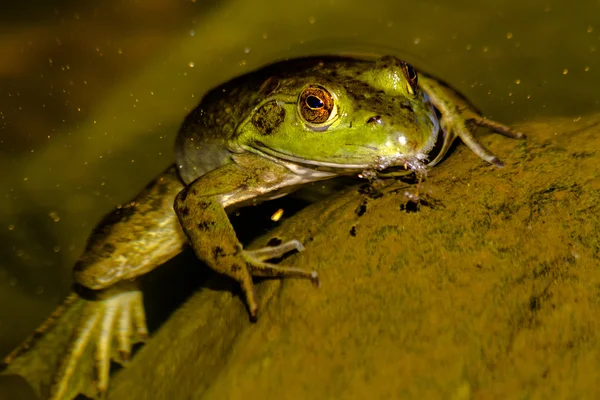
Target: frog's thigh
(134,239)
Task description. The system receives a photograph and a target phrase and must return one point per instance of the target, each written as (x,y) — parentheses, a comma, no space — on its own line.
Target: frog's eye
(316,105)
(411,76)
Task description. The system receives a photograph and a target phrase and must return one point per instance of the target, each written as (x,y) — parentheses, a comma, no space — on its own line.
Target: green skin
(248,139)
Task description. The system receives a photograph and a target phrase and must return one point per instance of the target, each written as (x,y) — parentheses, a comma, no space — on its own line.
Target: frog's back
(202,141)
(206,138)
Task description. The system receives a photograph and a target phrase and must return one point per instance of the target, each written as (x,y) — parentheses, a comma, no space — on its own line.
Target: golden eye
(411,76)
(316,105)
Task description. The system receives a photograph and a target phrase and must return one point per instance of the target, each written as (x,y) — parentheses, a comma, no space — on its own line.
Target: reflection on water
(91,96)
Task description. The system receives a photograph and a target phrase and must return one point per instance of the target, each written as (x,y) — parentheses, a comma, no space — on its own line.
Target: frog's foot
(257,266)
(114,324)
(462,131)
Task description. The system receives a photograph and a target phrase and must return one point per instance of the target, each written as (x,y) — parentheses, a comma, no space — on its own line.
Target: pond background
(91,96)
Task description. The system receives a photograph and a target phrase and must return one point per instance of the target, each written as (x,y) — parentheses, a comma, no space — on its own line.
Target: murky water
(91,96)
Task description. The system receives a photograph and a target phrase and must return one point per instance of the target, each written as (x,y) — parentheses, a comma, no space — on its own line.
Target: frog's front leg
(458,116)
(200,208)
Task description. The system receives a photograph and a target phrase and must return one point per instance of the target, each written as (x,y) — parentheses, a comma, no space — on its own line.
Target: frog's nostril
(376,119)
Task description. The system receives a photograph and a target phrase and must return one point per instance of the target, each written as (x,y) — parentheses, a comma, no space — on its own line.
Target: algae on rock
(489,288)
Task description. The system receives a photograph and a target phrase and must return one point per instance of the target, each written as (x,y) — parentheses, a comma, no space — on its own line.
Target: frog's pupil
(314,102)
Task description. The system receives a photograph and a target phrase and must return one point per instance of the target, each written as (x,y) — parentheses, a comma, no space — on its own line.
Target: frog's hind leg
(124,322)
(71,352)
(113,322)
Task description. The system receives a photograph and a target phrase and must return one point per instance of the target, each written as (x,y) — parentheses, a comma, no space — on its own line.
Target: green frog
(254,138)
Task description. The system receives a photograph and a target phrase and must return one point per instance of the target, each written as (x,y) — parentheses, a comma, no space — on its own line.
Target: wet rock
(494,292)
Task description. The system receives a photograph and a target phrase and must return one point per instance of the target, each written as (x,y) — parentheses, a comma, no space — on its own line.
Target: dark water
(91,96)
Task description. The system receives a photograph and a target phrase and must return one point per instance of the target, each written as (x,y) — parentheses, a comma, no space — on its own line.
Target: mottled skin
(257,137)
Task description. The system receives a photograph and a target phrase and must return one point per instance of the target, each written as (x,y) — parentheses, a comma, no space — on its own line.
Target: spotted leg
(71,352)
(200,208)
(458,117)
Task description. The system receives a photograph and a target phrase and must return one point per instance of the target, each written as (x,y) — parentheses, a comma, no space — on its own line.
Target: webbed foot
(97,331)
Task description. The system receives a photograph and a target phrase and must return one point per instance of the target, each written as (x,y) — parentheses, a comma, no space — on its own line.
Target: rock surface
(488,288)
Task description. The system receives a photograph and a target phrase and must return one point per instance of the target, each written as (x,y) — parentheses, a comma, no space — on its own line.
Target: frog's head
(347,115)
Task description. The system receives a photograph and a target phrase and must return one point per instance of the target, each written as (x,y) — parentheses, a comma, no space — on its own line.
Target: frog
(254,138)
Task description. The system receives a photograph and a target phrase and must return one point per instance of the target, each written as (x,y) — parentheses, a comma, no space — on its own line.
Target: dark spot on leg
(235,268)
(218,252)
(203,205)
(155,203)
(185,211)
(183,195)
(205,225)
(108,249)
(353,231)
(122,214)
(163,188)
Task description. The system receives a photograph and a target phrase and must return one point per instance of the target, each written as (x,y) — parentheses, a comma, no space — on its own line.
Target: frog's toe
(62,385)
(109,327)
(477,147)
(103,349)
(255,259)
(498,127)
(123,337)
(130,326)
(268,270)
(124,321)
(271,252)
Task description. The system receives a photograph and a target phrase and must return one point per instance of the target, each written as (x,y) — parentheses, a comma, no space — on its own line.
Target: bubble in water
(54,216)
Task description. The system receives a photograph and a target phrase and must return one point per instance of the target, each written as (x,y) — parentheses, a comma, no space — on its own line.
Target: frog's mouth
(278,155)
(400,162)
